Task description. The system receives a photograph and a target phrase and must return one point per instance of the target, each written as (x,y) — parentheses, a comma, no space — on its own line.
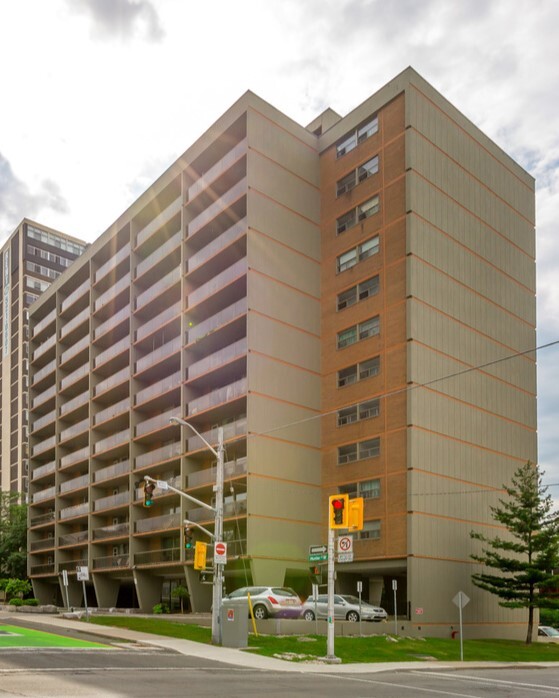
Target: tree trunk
(530,618)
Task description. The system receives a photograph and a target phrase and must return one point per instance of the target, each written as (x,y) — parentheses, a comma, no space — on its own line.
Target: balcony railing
(44,347)
(159,454)
(111,562)
(40,326)
(158,355)
(43,470)
(47,368)
(207,476)
(74,484)
(114,500)
(159,388)
(221,204)
(71,565)
(158,523)
(218,397)
(160,220)
(74,349)
(74,376)
(117,348)
(110,382)
(112,411)
(215,246)
(113,440)
(73,297)
(42,519)
(44,396)
(229,510)
(152,557)
(231,430)
(75,510)
(113,262)
(76,321)
(160,421)
(111,471)
(159,254)
(74,430)
(222,318)
(42,569)
(112,322)
(44,544)
(216,170)
(218,282)
(152,326)
(158,288)
(74,457)
(218,358)
(43,421)
(77,401)
(47,493)
(114,531)
(73,538)
(112,292)
(43,446)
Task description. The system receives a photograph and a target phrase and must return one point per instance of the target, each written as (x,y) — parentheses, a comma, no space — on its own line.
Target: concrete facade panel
(284,382)
(271,457)
(283,421)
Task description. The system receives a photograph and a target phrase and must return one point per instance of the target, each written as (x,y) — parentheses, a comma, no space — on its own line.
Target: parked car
(547,634)
(346,607)
(277,602)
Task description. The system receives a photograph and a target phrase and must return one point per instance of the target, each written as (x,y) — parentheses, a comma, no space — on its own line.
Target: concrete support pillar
(75,593)
(200,594)
(375,590)
(148,590)
(47,592)
(106,590)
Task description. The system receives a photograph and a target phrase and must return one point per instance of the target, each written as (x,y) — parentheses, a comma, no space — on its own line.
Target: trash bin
(234,624)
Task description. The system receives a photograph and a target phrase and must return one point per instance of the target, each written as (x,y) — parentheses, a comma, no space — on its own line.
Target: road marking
(529,686)
(413,689)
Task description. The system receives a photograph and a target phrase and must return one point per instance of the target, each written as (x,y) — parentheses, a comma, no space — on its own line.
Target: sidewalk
(240,658)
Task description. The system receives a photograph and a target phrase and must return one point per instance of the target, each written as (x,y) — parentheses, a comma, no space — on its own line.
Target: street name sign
(318,553)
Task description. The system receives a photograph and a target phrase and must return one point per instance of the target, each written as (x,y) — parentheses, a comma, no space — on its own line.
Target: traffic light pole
(330,656)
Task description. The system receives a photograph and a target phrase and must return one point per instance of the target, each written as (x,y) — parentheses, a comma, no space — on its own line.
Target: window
(364,330)
(347,454)
(348,415)
(367,169)
(369,448)
(368,368)
(361,134)
(344,222)
(347,337)
(368,489)
(347,376)
(366,288)
(364,449)
(351,374)
(345,184)
(368,208)
(358,254)
(369,328)
(371,529)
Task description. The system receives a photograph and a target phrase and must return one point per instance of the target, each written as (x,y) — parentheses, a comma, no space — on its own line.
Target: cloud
(123,19)
(17,201)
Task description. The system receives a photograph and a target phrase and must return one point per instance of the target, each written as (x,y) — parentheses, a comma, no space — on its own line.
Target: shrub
(30,602)
(16,602)
(160,608)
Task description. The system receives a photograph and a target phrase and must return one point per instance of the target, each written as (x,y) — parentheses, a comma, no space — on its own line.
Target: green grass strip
(25,637)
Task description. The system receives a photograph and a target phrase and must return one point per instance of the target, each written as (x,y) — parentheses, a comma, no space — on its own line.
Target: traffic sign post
(394,589)
(220,553)
(359,590)
(82,574)
(461,600)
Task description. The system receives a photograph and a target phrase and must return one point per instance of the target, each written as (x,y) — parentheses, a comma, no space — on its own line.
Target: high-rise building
(349,301)
(32,257)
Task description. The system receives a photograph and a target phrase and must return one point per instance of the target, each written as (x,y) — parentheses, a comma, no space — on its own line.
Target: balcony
(111,293)
(236,192)
(42,519)
(111,471)
(230,431)
(158,389)
(37,570)
(218,359)
(218,282)
(43,446)
(111,562)
(73,538)
(218,397)
(159,221)
(212,323)
(75,457)
(112,411)
(158,523)
(163,285)
(230,510)
(154,557)
(43,372)
(115,531)
(74,430)
(115,500)
(74,323)
(75,349)
(218,169)
(78,401)
(44,347)
(160,421)
(75,510)
(113,322)
(44,544)
(71,565)
(206,477)
(158,355)
(112,352)
(159,455)
(233,233)
(117,378)
(75,376)
(76,483)
(44,396)
(43,421)
(47,493)
(112,441)
(43,471)
(69,301)
(45,322)
(112,263)
(161,253)
(157,323)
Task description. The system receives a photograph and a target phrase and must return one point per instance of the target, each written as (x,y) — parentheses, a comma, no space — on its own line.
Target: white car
(346,607)
(547,634)
(276,602)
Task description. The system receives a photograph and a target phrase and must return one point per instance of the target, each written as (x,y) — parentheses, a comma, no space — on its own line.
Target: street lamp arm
(182,422)
(197,525)
(164,485)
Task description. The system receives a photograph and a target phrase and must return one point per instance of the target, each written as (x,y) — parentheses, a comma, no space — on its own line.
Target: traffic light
(338,510)
(200,552)
(355,514)
(316,574)
(148,493)
(188,542)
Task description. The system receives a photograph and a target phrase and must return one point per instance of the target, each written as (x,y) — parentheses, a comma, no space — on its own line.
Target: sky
(99,97)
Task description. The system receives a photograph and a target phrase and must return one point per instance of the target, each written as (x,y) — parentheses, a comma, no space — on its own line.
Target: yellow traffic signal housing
(355,514)
(338,510)
(200,553)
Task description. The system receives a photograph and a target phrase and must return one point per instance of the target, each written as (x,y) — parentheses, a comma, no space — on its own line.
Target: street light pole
(218,526)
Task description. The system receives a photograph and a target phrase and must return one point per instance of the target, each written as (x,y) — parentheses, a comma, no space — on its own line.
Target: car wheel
(260,612)
(309,615)
(352,616)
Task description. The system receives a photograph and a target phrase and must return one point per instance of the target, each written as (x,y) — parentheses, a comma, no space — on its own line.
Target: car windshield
(551,632)
(283,592)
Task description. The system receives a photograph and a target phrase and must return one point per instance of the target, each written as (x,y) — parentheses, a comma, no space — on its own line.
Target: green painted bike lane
(16,636)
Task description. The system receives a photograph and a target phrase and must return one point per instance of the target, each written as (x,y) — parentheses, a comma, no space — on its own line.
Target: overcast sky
(99,97)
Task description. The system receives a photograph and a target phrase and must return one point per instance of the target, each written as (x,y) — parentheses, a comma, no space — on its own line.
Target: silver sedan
(346,607)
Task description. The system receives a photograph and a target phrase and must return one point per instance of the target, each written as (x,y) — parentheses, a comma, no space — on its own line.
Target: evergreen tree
(13,536)
(525,560)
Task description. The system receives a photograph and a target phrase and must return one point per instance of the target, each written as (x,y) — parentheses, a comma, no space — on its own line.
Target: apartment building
(32,257)
(333,297)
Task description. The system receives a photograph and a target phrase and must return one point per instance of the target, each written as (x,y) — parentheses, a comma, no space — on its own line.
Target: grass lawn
(378,648)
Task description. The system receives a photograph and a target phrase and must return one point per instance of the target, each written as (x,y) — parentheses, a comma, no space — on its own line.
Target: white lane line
(480,679)
(413,689)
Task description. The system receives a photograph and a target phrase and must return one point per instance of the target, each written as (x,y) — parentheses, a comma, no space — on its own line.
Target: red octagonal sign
(220,549)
